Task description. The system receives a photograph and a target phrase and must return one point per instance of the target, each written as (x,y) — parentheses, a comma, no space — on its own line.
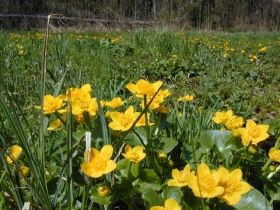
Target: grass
(222,71)
(198,65)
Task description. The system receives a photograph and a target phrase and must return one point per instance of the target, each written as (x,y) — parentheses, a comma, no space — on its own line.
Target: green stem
(129,169)
(195,163)
(146,122)
(69,147)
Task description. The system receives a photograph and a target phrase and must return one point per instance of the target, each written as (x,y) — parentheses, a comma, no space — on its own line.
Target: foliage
(159,143)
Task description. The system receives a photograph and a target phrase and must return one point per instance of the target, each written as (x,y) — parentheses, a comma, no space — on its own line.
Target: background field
(237,70)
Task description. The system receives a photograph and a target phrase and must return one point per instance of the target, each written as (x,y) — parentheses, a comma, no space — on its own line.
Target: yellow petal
(90,171)
(127,148)
(129,111)
(172,204)
(157,208)
(106,152)
(131,87)
(15,152)
(116,126)
(251,124)
(157,85)
(111,165)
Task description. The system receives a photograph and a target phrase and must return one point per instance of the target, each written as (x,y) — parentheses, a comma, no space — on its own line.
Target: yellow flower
(99,162)
(222,117)
(123,121)
(233,185)
(205,184)
(88,105)
(170,204)
(143,87)
(51,104)
(81,101)
(162,155)
(15,152)
(174,57)
(142,121)
(252,58)
(186,98)
(233,124)
(180,178)
(114,103)
(24,170)
(134,154)
(54,125)
(78,93)
(253,133)
(162,109)
(158,99)
(103,191)
(274,154)
(263,50)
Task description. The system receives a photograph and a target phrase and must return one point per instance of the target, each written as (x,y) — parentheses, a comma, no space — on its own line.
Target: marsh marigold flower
(55,125)
(253,133)
(142,121)
(234,123)
(114,103)
(24,170)
(15,152)
(233,185)
(186,98)
(180,178)
(158,99)
(88,105)
(170,204)
(99,163)
(274,154)
(222,117)
(124,121)
(81,102)
(263,50)
(143,87)
(205,184)
(51,104)
(135,154)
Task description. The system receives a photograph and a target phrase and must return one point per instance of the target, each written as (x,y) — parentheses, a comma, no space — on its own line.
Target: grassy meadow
(193,128)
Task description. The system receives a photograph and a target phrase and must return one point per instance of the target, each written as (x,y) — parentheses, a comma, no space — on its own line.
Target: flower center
(99,164)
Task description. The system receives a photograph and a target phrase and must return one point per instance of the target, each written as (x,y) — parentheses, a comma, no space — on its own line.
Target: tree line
(210,14)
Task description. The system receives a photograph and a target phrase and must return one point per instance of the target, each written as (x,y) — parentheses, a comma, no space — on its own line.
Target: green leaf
(148,179)
(123,167)
(79,134)
(149,175)
(168,144)
(223,140)
(253,200)
(133,139)
(152,198)
(100,200)
(173,192)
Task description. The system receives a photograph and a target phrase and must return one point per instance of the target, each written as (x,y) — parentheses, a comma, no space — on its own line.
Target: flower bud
(162,155)
(103,191)
(171,163)
(252,149)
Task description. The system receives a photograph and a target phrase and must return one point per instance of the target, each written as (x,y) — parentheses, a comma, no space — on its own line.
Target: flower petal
(106,152)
